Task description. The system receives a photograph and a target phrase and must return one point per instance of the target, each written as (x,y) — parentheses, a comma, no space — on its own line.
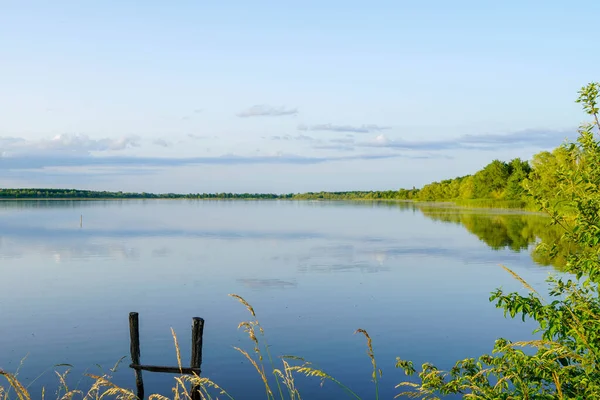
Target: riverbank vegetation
(564,363)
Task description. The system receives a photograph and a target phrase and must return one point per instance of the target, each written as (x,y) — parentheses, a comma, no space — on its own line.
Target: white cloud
(532,138)
(65,143)
(343,128)
(345,140)
(381,139)
(162,143)
(265,110)
(290,137)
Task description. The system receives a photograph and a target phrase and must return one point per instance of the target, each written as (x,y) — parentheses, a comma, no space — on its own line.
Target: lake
(416,277)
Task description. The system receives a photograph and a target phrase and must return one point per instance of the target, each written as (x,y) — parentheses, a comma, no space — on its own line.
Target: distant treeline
(90,194)
(498,184)
(402,194)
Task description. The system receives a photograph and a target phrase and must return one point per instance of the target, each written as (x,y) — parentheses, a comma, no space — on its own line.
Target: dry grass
(285,387)
(517,277)
(101,388)
(376,371)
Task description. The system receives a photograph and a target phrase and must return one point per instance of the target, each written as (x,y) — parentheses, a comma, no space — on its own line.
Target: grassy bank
(6,195)
(493,203)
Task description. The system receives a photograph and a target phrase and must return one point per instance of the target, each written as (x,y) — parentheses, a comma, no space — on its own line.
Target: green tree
(491,180)
(564,363)
(543,178)
(519,171)
(467,188)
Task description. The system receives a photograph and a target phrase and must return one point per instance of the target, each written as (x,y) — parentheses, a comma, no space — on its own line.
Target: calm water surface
(417,279)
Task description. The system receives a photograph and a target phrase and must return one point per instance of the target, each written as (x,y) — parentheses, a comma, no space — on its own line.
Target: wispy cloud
(290,137)
(339,144)
(345,140)
(541,139)
(305,138)
(69,152)
(32,162)
(162,143)
(267,111)
(65,143)
(538,139)
(337,147)
(343,128)
(545,138)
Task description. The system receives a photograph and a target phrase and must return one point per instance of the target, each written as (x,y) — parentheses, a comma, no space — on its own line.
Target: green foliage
(564,363)
(519,171)
(491,180)
(498,184)
(401,194)
(543,179)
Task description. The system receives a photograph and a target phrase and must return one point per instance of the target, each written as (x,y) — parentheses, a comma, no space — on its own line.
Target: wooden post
(196,361)
(134,333)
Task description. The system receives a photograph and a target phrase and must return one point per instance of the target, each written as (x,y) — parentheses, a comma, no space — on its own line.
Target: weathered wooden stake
(196,361)
(169,370)
(134,333)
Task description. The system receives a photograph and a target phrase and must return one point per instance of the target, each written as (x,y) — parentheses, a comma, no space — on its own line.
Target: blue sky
(266,96)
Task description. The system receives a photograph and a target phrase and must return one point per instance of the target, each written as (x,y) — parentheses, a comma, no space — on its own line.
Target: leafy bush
(564,363)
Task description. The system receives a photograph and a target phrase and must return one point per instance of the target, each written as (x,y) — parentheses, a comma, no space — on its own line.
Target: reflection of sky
(267,283)
(66,249)
(313,272)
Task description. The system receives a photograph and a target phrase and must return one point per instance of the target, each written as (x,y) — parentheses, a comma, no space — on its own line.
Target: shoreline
(440,204)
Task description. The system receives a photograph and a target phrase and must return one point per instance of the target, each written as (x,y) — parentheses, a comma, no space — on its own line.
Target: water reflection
(509,231)
(513,230)
(267,283)
(316,271)
(161,252)
(61,250)
(516,231)
(59,204)
(339,267)
(498,229)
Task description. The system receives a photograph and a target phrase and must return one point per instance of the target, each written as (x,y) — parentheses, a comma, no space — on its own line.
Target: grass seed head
(245,303)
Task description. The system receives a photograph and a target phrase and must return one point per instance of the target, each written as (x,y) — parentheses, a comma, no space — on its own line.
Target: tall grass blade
(371,354)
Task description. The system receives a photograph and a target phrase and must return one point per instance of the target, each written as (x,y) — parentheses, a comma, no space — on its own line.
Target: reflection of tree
(502,230)
(43,204)
(557,256)
(516,232)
